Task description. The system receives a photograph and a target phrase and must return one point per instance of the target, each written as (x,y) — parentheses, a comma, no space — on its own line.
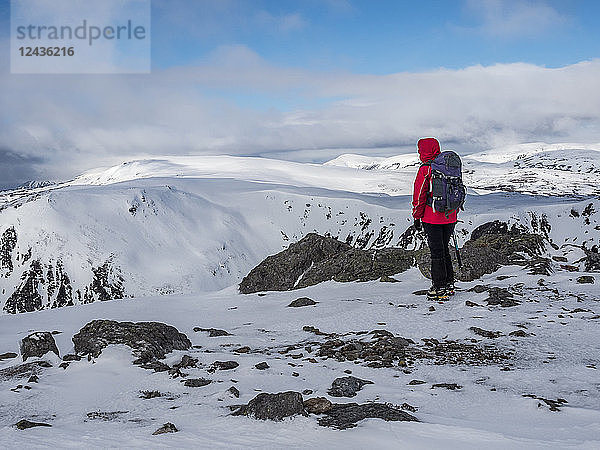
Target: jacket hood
(428,148)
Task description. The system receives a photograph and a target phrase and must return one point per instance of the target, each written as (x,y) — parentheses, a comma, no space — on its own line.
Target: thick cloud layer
(238,103)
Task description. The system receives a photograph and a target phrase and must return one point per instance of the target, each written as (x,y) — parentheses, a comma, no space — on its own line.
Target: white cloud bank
(68,123)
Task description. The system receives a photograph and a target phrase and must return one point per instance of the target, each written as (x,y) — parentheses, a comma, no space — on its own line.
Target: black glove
(418,225)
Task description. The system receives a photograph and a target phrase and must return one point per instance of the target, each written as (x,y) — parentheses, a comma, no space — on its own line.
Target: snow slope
(559,360)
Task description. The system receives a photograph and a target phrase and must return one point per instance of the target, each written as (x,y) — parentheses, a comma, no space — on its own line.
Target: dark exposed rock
(26,297)
(222,365)
(500,296)
(450,386)
(317,258)
(347,386)
(273,406)
(147,395)
(302,301)
(244,349)
(420,292)
(154,364)
(314,330)
(33,379)
(494,228)
(7,355)
(234,391)
(107,284)
(539,266)
(149,340)
(71,357)
(24,424)
(585,279)
(213,332)
(592,259)
(8,242)
(559,258)
(186,362)
(491,246)
(470,303)
(486,333)
(553,405)
(479,288)
(38,344)
(387,350)
(343,416)
(24,370)
(358,265)
(388,279)
(197,382)
(166,428)
(317,405)
(63,365)
(518,333)
(262,365)
(407,407)
(105,415)
(281,271)
(415,382)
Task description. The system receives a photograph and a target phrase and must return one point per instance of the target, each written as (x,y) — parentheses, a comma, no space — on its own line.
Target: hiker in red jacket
(438,226)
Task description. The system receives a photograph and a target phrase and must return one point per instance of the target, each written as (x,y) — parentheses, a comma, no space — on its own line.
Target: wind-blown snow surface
(196,225)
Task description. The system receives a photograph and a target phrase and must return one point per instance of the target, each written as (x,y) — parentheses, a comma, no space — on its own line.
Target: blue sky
(382,36)
(310,79)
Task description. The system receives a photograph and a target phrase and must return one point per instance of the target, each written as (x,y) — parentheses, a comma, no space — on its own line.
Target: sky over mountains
(308,80)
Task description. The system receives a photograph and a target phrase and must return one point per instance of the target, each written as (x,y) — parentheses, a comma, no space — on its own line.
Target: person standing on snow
(438,226)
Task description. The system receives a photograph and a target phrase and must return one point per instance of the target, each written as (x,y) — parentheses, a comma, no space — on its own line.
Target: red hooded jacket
(428,148)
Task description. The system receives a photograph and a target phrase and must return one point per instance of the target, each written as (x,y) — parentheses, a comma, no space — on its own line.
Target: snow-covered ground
(194,226)
(559,360)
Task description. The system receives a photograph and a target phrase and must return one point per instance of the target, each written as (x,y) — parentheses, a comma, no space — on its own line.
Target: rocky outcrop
(8,242)
(347,386)
(25,424)
(280,272)
(347,415)
(592,259)
(491,246)
(107,284)
(317,258)
(149,340)
(38,344)
(26,297)
(26,370)
(273,406)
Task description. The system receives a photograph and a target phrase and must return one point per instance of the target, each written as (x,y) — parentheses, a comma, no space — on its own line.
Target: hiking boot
(450,290)
(435,293)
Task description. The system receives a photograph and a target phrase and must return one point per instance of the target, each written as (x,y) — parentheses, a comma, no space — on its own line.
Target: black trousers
(438,238)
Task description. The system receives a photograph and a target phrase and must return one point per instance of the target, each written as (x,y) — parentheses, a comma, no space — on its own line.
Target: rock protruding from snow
(282,271)
(317,405)
(316,258)
(166,428)
(493,245)
(273,406)
(347,386)
(25,424)
(302,301)
(347,415)
(38,344)
(149,340)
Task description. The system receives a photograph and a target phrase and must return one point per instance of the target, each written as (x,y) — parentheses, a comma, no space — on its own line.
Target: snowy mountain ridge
(200,223)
